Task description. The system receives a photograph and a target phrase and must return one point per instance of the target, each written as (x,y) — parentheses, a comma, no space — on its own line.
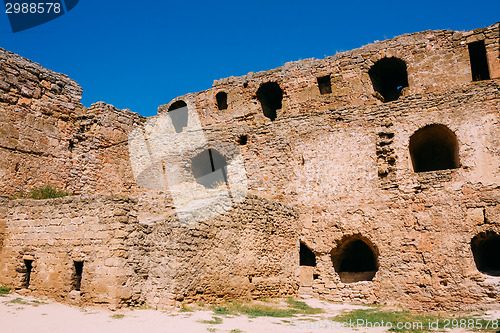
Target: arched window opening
(307,257)
(221,98)
(354,260)
(389,77)
(270,96)
(434,147)
(178,112)
(209,168)
(478,61)
(486,250)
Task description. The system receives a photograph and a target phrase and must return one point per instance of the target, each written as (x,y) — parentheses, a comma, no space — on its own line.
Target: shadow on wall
(179,114)
(210,168)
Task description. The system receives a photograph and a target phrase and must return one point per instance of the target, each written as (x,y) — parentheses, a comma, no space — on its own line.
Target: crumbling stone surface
(99,150)
(330,166)
(131,260)
(48,137)
(247,252)
(55,233)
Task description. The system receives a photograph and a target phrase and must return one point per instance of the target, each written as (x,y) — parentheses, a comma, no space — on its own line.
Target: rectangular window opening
(478,61)
(77,281)
(27,278)
(325,85)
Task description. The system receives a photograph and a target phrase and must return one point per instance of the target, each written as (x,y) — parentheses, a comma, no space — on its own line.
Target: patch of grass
(236,330)
(4,290)
(405,321)
(117,316)
(37,303)
(18,301)
(211,329)
(221,310)
(22,302)
(184,308)
(267,311)
(302,306)
(215,321)
(46,192)
(292,308)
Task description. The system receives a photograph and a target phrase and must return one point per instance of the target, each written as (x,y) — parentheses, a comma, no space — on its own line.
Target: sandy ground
(20,314)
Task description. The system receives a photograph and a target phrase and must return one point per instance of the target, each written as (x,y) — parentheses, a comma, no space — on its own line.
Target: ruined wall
(48,137)
(245,252)
(36,106)
(341,158)
(436,61)
(99,151)
(331,166)
(129,258)
(55,233)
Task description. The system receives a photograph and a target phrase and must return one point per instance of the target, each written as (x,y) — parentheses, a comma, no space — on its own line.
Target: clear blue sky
(141,54)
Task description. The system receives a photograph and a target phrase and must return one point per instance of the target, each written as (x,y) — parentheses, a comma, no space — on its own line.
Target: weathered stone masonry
(389,155)
(248,252)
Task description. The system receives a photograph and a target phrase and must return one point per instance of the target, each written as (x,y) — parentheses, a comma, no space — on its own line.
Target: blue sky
(141,54)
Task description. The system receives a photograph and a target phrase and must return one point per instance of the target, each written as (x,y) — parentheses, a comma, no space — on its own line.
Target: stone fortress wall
(389,155)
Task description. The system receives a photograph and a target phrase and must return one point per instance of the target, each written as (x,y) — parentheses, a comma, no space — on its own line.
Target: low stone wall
(51,235)
(130,259)
(249,251)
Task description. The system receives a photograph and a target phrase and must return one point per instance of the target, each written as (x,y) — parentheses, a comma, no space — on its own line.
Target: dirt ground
(20,314)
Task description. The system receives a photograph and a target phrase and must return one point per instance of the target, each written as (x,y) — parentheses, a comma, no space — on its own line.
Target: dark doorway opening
(307,257)
(178,112)
(354,260)
(325,85)
(221,98)
(77,281)
(486,250)
(389,77)
(270,96)
(478,61)
(434,147)
(209,168)
(28,264)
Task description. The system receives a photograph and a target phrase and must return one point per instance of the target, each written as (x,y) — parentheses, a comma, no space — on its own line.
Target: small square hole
(325,85)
